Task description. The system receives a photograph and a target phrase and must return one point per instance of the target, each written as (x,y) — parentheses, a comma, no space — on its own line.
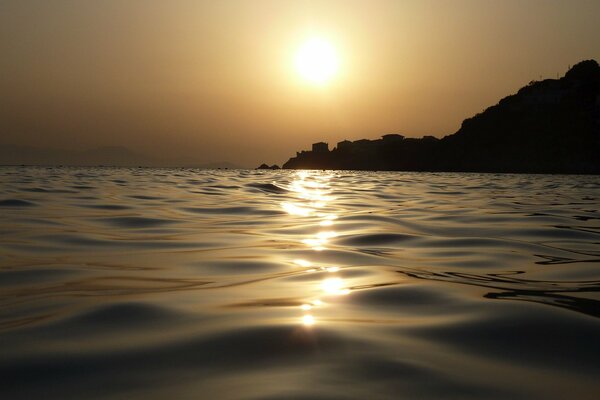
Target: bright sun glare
(317,61)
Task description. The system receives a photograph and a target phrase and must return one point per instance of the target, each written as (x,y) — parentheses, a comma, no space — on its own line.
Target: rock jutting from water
(265,166)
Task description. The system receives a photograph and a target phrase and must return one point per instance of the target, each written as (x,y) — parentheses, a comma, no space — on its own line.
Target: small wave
(268,188)
(109,207)
(145,197)
(136,222)
(118,316)
(83,187)
(16,203)
(36,190)
(376,239)
(527,338)
(241,210)
(240,267)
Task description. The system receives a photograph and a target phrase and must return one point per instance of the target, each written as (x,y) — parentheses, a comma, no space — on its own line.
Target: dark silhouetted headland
(550,126)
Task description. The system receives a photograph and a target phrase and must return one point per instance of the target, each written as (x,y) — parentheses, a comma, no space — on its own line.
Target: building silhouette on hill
(320,147)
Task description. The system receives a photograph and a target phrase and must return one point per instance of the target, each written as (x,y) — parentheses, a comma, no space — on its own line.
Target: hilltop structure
(320,147)
(550,126)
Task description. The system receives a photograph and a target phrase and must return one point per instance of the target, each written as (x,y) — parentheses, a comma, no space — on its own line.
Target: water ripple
(152,283)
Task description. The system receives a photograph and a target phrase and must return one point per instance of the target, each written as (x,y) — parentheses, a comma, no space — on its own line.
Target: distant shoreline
(286,170)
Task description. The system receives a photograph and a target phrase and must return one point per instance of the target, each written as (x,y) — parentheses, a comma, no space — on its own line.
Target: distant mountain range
(108,156)
(550,126)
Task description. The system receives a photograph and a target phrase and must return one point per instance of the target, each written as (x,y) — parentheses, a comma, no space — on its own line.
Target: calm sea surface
(195,284)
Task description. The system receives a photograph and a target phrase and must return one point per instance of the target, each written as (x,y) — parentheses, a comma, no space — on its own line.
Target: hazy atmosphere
(219,80)
(278,199)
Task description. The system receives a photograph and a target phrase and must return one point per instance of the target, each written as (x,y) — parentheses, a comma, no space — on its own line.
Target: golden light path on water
(314,197)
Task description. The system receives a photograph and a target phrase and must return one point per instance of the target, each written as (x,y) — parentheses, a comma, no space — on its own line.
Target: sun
(317,61)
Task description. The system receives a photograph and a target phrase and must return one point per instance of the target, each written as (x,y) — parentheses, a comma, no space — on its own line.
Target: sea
(141,283)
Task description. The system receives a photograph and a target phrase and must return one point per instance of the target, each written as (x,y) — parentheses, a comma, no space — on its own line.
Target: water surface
(186,284)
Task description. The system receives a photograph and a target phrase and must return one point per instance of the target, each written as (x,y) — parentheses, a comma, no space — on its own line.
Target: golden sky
(216,80)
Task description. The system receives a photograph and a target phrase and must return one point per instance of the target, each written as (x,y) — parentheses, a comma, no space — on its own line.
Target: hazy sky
(216,80)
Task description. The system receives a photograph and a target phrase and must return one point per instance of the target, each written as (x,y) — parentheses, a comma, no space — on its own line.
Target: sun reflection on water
(313,200)
(334,286)
(302,263)
(308,320)
(294,209)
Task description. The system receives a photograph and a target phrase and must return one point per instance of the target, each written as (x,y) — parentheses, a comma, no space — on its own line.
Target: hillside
(550,126)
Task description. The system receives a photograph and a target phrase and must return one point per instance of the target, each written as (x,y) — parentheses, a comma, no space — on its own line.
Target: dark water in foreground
(186,284)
